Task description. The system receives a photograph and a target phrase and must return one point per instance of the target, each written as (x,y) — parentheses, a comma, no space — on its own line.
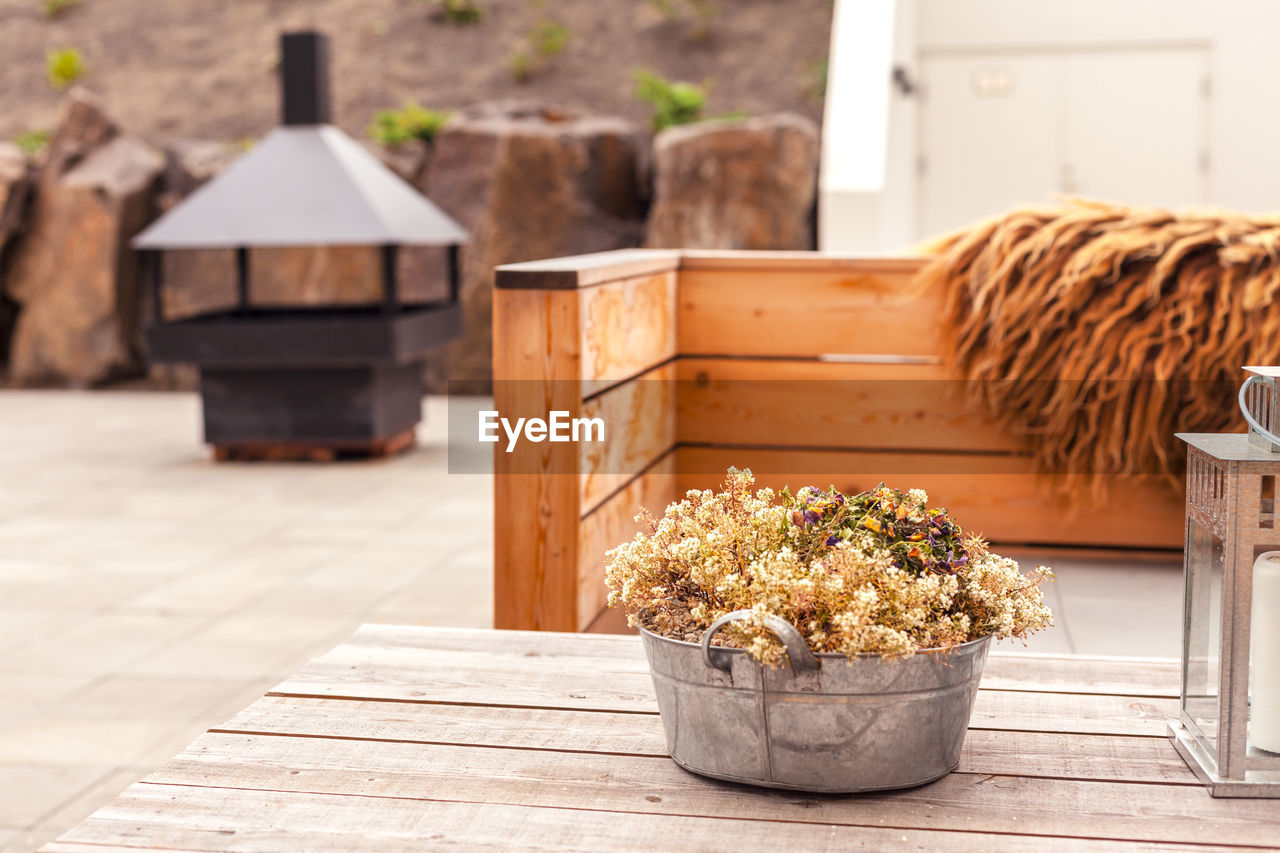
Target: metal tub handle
(804,666)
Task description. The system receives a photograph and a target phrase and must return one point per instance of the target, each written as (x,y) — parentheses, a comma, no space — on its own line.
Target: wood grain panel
(640,427)
(536,488)
(628,326)
(612,523)
(805,312)
(999,497)
(823,404)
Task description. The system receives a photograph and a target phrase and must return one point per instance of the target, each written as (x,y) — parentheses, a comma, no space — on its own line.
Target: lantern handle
(1248,415)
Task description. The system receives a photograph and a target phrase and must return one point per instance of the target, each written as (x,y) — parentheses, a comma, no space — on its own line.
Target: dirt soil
(171,69)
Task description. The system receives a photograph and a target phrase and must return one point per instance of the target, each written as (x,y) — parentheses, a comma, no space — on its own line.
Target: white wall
(1244,118)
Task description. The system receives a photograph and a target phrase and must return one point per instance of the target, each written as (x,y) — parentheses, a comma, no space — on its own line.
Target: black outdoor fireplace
(329,378)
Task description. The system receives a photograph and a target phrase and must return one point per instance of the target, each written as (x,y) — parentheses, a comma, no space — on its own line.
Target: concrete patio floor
(147,594)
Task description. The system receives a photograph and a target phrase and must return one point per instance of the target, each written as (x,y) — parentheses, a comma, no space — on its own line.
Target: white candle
(1264,656)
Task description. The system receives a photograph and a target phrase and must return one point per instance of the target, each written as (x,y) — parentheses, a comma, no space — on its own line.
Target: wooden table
(405,737)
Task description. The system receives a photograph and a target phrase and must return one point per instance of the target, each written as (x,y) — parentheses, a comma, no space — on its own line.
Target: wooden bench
(806,368)
(414,738)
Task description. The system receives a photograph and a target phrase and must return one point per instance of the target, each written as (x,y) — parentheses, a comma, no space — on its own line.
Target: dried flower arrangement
(877,572)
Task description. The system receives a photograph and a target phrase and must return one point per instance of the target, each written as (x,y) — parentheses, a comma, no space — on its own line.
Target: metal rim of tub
(823,723)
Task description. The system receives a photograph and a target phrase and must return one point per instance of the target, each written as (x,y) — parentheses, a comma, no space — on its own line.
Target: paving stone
(34,791)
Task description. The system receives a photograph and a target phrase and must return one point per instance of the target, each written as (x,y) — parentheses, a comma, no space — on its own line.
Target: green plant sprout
(33,142)
(699,13)
(818,80)
(549,38)
(413,121)
(458,12)
(546,40)
(673,102)
(64,66)
(55,8)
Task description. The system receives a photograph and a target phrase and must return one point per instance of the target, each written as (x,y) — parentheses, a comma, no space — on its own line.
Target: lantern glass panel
(1264,653)
(1202,637)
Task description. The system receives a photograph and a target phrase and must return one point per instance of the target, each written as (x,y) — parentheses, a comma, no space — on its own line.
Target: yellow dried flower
(715,552)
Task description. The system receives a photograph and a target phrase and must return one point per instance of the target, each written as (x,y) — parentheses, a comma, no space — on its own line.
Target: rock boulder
(745,184)
(528,182)
(15,183)
(72,273)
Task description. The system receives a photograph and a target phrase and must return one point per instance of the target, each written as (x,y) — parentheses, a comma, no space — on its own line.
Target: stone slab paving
(147,594)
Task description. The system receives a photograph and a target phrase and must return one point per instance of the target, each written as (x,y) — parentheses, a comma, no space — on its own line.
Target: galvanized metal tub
(826,723)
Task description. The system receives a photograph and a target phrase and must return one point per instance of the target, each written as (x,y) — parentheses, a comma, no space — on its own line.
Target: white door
(1137,126)
(990,136)
(1000,130)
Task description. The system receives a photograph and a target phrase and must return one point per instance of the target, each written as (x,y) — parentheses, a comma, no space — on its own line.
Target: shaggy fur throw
(1100,330)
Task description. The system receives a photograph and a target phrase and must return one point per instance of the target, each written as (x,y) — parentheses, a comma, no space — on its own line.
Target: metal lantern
(1229,726)
(334,376)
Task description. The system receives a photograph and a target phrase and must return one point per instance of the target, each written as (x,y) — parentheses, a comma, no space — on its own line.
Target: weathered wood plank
(612,523)
(577,271)
(729,259)
(1000,497)
(806,311)
(460,677)
(514,642)
(639,428)
(624,784)
(832,405)
(450,759)
(211,819)
(637,735)
(1005,670)
(1077,674)
(1012,753)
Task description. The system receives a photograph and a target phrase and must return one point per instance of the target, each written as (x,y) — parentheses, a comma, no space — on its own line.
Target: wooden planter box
(698,360)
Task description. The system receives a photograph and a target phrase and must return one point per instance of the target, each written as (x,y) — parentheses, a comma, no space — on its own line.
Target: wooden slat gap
(612,384)
(403,701)
(1052,692)
(655,462)
(875,358)
(1162,736)
(468,745)
(699,356)
(939,451)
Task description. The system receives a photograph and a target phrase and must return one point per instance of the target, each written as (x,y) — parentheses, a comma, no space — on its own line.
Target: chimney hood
(305,184)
